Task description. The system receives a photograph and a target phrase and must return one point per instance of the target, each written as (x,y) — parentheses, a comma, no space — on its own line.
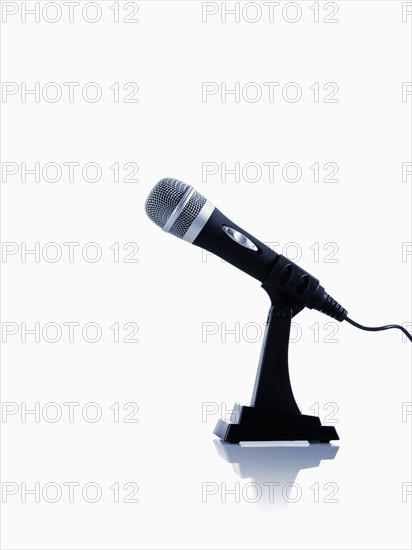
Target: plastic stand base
(274,414)
(267,425)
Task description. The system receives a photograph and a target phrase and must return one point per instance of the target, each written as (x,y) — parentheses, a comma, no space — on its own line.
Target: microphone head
(174,206)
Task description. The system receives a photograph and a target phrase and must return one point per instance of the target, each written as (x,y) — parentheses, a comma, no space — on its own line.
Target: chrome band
(179,208)
(199,222)
(239,238)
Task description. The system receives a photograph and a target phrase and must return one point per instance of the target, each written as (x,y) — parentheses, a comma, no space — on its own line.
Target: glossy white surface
(178,332)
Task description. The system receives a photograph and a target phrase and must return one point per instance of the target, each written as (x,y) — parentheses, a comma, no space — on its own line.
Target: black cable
(385,327)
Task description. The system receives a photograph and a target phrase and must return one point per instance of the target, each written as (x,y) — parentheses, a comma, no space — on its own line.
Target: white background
(178,369)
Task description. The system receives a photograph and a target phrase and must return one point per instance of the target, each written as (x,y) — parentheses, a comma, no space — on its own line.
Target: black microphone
(182,211)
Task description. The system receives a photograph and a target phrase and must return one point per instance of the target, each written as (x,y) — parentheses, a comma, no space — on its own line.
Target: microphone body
(178,209)
(256,263)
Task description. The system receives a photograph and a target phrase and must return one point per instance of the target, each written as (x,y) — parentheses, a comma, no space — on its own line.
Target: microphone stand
(274,414)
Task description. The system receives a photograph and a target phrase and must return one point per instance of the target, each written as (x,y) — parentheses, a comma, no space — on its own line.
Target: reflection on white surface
(274,465)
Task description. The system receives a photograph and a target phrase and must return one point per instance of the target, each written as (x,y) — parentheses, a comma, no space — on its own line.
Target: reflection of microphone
(273,469)
(180,210)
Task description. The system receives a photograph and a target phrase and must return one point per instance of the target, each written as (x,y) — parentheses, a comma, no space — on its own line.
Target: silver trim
(199,222)
(179,208)
(239,238)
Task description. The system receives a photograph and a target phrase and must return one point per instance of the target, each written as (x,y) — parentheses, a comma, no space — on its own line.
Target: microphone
(273,414)
(179,209)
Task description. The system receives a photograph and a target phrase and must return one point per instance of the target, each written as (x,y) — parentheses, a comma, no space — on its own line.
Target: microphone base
(256,424)
(274,414)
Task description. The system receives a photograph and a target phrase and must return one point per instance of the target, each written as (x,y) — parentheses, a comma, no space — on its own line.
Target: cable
(385,327)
